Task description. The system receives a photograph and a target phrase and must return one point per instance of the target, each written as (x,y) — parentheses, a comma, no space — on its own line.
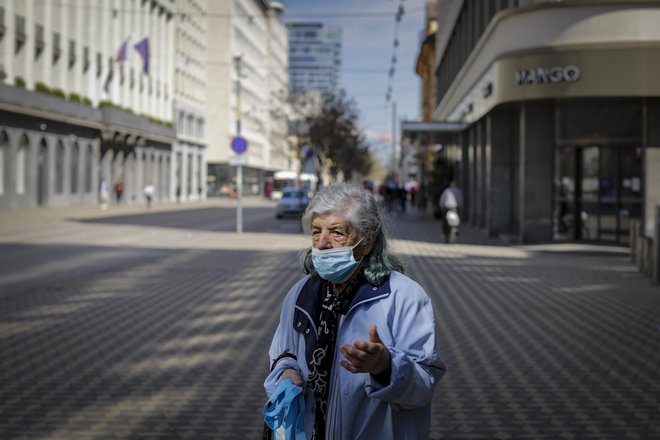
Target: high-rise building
(314,57)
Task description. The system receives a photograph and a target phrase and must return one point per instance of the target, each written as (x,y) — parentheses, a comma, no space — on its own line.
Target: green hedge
(42,88)
(20,82)
(74,97)
(58,92)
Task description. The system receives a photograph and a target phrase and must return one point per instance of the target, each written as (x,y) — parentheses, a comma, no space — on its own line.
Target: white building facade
(86,100)
(246,92)
(190,84)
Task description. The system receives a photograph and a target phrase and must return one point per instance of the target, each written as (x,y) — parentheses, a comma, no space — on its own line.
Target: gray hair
(363,212)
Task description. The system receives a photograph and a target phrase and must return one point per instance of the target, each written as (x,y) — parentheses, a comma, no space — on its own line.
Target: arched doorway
(42,172)
(4,148)
(22,165)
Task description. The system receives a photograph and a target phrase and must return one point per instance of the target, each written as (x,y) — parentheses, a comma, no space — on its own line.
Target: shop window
(22,165)
(600,119)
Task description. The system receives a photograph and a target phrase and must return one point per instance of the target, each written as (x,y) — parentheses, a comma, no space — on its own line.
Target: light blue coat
(358,406)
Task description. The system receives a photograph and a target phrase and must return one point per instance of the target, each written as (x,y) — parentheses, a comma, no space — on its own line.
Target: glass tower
(314,57)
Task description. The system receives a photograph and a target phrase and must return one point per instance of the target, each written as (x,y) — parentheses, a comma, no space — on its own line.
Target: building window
(179,124)
(200,128)
(86,60)
(39,42)
(75,158)
(190,173)
(2,22)
(72,53)
(59,168)
(99,64)
(4,147)
(20,33)
(57,49)
(21,165)
(190,126)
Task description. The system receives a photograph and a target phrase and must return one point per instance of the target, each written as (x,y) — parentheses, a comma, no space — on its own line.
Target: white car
(293,202)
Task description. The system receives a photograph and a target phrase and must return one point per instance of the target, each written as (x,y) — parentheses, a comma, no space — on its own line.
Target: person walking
(119,190)
(451,204)
(149,194)
(104,194)
(356,333)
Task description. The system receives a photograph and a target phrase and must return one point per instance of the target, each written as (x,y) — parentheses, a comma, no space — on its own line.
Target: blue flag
(143,49)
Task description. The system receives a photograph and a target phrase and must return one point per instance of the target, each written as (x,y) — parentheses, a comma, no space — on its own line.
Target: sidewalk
(47,215)
(129,330)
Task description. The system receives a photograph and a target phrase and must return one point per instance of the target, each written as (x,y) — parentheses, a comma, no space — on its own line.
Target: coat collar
(311,296)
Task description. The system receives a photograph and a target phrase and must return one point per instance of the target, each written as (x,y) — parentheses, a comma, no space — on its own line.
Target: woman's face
(332,230)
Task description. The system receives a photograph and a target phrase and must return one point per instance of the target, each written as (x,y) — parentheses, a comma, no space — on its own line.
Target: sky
(369,28)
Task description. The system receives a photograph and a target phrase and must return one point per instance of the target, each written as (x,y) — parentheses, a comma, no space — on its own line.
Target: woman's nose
(324,242)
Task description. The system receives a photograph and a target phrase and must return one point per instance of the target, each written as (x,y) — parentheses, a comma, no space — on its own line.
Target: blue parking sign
(239,145)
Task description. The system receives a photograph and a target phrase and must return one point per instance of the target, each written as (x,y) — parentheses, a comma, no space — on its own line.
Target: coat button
(299,324)
(307,331)
(375,288)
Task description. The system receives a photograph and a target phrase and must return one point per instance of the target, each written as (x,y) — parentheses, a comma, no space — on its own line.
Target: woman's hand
(366,356)
(292,374)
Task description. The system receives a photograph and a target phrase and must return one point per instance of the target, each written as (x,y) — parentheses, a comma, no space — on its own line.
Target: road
(130,323)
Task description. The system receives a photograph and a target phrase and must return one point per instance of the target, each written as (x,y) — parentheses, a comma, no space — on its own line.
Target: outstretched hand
(366,356)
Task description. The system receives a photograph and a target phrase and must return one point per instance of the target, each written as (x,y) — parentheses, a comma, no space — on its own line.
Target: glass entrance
(598,190)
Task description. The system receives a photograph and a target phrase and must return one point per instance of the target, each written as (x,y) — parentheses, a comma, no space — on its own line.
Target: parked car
(293,202)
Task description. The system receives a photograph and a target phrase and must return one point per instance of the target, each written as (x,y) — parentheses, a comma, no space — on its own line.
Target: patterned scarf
(320,367)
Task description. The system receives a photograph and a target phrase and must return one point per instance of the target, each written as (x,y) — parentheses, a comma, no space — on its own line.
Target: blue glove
(286,407)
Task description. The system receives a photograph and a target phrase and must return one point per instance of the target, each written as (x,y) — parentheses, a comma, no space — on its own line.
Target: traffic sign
(239,144)
(238,160)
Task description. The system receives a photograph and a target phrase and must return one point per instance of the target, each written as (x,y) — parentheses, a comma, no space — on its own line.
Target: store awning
(416,127)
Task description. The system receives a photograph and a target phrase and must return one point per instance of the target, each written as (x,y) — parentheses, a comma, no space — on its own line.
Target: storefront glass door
(598,191)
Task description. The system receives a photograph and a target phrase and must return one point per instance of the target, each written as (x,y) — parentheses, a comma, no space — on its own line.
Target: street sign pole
(239,168)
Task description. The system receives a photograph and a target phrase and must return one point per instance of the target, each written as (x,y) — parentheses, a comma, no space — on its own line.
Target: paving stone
(141,341)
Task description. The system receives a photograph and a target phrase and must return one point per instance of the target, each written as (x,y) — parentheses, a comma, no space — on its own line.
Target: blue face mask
(335,265)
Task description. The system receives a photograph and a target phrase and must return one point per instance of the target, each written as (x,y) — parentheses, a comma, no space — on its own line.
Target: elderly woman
(355,333)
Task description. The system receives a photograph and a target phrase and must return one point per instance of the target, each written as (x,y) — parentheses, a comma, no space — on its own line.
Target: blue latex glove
(286,407)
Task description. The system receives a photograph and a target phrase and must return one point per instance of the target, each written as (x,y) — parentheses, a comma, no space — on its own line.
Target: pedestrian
(451,200)
(356,333)
(149,194)
(119,190)
(104,194)
(178,193)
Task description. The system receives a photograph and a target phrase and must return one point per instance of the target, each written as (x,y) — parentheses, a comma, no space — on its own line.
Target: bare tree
(337,138)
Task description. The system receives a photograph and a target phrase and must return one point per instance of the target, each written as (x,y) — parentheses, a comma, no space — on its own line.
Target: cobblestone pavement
(167,338)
